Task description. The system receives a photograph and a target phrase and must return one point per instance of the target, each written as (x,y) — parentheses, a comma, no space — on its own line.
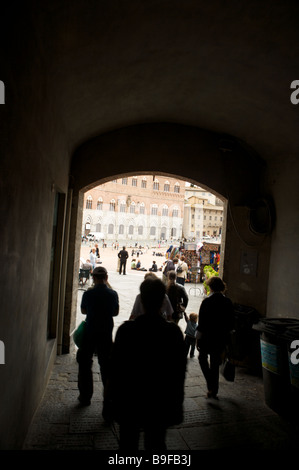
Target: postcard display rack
(192,259)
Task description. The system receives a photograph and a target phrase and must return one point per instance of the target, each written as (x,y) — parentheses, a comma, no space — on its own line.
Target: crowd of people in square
(143,369)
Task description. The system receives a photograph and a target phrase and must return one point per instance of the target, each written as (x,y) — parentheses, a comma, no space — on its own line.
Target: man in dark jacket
(215,322)
(100,304)
(123,256)
(148,373)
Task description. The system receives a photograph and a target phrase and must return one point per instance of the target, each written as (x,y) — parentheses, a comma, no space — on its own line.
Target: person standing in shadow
(215,323)
(100,304)
(146,385)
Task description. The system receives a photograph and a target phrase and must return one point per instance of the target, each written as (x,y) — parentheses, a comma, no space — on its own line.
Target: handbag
(179,269)
(79,334)
(228,370)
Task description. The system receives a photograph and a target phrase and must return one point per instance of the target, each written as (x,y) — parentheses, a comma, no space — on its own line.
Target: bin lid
(291,333)
(277,326)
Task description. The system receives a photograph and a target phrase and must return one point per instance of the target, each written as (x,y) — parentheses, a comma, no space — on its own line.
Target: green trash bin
(274,342)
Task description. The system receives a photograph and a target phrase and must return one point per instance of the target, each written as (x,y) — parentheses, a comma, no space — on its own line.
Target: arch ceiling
(223,67)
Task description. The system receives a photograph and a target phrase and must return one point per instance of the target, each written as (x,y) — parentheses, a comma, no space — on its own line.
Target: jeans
(190,344)
(85,374)
(122,266)
(210,368)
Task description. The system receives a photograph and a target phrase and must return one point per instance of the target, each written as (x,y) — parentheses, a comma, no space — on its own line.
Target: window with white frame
(176,188)
(142,208)
(156,184)
(89,202)
(165,211)
(112,205)
(99,204)
(122,206)
(154,209)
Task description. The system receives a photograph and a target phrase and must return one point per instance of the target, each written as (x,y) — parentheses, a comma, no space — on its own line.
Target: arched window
(176,188)
(89,202)
(165,210)
(142,208)
(175,212)
(163,233)
(121,230)
(124,181)
(132,207)
(153,231)
(112,205)
(173,232)
(134,181)
(122,207)
(140,230)
(100,204)
(131,229)
(166,186)
(143,182)
(98,227)
(110,229)
(156,184)
(154,209)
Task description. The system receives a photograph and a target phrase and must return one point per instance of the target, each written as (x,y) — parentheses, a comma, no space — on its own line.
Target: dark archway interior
(95,89)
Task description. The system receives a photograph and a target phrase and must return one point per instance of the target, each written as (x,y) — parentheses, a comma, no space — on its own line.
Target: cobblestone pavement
(239,419)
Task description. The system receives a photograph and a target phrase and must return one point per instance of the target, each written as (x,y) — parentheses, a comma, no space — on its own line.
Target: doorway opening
(150,215)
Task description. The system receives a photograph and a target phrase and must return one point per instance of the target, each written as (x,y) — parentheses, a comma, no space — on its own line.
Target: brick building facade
(135,209)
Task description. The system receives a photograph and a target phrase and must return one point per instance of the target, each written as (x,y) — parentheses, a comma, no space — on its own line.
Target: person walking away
(215,322)
(93,257)
(100,304)
(169,266)
(123,256)
(182,271)
(138,309)
(177,295)
(149,358)
(190,333)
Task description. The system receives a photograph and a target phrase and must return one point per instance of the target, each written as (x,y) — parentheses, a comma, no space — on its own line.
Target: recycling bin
(291,336)
(279,388)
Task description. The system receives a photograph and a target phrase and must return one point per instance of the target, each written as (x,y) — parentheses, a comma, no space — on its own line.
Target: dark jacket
(177,296)
(148,371)
(123,255)
(215,321)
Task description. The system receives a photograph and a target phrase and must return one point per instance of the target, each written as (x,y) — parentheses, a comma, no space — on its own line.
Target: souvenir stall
(209,255)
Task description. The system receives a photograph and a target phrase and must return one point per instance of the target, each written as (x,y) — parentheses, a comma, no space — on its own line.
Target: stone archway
(220,163)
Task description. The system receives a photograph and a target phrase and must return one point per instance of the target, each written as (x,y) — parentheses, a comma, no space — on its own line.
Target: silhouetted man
(148,373)
(123,255)
(100,304)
